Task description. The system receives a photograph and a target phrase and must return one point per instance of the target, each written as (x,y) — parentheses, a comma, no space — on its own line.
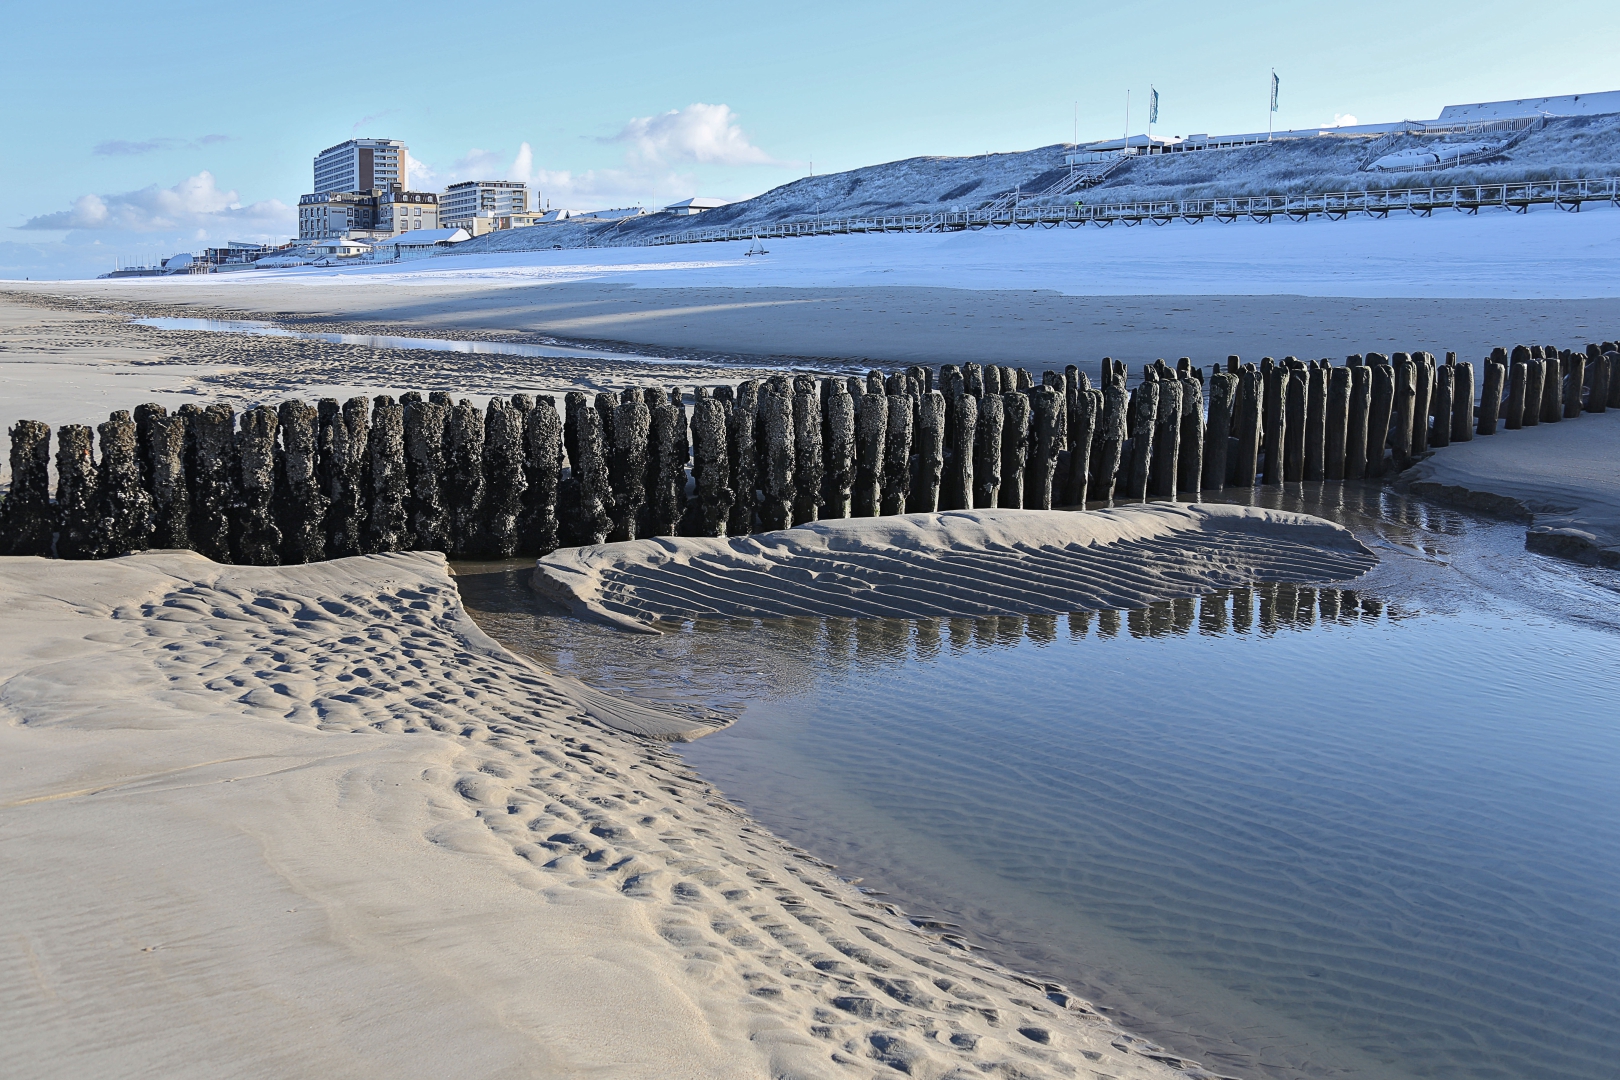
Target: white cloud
(1342,120)
(702,133)
(195,206)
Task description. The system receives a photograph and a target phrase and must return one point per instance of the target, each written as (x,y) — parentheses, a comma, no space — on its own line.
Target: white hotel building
(362,165)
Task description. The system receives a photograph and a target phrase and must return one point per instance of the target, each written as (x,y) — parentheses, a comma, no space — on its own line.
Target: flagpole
(1151,95)
(1127,145)
(1271,102)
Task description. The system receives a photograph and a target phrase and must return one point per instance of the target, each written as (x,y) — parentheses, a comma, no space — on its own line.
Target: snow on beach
(1542,254)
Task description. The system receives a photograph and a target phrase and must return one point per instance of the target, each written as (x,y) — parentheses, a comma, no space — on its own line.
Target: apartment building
(327,214)
(362,165)
(404,211)
(461,204)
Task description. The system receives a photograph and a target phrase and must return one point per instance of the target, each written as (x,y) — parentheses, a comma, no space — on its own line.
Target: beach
(311,820)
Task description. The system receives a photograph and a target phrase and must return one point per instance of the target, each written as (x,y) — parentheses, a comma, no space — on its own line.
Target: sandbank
(955,564)
(1564,478)
(308,821)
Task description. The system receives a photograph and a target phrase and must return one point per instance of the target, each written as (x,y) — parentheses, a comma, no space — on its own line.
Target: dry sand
(1564,478)
(961,563)
(308,821)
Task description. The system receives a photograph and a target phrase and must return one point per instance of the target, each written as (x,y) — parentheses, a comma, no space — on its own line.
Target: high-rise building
(361,165)
(462,203)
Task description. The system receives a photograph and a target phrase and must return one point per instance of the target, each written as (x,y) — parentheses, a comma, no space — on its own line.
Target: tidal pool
(1365,831)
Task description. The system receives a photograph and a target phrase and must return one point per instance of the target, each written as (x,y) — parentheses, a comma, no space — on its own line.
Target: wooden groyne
(296,483)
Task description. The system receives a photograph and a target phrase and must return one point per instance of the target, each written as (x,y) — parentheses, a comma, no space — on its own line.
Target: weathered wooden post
(464,486)
(1190,454)
(1462,403)
(838,450)
(987,448)
(1575,381)
(1144,418)
(428,520)
(897,439)
(340,464)
(387,526)
(1444,388)
(1276,420)
(1513,414)
(627,467)
(710,469)
(1552,391)
(1613,357)
(1423,376)
(1535,381)
(1246,418)
(1082,433)
(503,455)
(1047,438)
(27,520)
(209,431)
(1166,463)
(1222,398)
(930,453)
(1110,441)
(123,509)
(1490,401)
(1316,376)
(1336,427)
(1379,417)
(1355,456)
(542,477)
(300,504)
(255,539)
(809,473)
(1013,408)
(1404,411)
(590,485)
(1597,398)
(667,449)
(871,426)
(162,443)
(1294,409)
(958,494)
(76,494)
(776,459)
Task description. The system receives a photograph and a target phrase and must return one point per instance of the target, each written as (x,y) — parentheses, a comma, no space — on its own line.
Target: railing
(1469,198)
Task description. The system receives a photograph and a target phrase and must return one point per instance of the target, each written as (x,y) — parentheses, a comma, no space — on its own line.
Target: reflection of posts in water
(961,635)
(1107,624)
(840,649)
(1243,610)
(1041,628)
(1080,624)
(1182,613)
(1212,614)
(1267,595)
(927,639)
(1137,623)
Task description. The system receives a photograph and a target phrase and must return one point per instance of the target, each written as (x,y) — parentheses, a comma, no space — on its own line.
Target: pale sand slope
(307,821)
(961,563)
(1036,328)
(1564,476)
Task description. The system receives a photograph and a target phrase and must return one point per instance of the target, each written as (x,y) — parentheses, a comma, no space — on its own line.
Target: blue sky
(143,129)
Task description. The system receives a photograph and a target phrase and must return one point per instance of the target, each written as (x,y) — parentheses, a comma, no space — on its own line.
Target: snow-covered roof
(426,237)
(697,204)
(1564,105)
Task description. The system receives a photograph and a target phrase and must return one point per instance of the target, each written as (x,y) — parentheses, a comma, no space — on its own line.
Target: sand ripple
(964,563)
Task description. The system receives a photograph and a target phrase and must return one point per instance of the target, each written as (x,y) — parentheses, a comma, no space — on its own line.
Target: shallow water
(1348,832)
(501,348)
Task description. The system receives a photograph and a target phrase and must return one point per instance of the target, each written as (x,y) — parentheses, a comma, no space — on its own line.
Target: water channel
(1369,830)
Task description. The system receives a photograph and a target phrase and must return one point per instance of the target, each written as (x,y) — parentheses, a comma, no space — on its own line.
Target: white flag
(1153,106)
(1273,91)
